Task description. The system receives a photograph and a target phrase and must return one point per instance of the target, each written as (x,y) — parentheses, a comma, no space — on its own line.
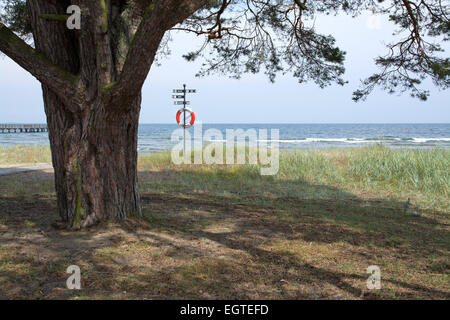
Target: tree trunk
(95,159)
(93,140)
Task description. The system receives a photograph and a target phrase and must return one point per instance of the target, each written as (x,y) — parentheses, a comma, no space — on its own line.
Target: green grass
(25,155)
(421,175)
(419,170)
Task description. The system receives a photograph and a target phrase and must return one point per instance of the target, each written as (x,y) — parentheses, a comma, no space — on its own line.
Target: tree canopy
(279,36)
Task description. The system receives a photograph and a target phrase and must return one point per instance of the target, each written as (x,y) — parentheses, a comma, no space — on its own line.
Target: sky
(253,98)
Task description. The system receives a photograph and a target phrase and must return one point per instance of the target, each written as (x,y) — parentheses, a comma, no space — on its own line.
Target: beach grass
(421,174)
(21,154)
(226,232)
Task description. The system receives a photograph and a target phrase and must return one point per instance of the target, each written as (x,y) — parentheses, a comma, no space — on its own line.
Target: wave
(352,140)
(424,140)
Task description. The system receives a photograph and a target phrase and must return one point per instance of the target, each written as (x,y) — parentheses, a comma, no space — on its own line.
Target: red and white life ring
(180,112)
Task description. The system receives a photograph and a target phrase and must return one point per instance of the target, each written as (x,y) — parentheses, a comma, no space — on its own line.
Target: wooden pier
(23,128)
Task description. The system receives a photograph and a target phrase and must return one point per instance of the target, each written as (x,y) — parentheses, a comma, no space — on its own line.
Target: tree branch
(58,80)
(415,27)
(161,15)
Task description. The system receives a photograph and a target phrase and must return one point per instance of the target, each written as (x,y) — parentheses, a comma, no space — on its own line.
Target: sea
(157,137)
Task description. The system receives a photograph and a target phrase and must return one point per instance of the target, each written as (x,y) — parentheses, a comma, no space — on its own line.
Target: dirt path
(11,169)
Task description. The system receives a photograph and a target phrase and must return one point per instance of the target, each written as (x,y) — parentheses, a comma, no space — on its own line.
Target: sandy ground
(6,169)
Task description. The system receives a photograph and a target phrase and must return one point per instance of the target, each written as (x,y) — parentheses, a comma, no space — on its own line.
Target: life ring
(191,123)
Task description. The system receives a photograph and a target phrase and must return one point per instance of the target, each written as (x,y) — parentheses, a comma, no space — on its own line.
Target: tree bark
(95,159)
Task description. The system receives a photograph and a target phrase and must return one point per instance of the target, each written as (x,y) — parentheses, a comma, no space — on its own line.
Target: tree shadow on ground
(212,242)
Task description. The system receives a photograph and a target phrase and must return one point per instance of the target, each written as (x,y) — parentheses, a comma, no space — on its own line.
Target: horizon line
(166,123)
(281,123)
